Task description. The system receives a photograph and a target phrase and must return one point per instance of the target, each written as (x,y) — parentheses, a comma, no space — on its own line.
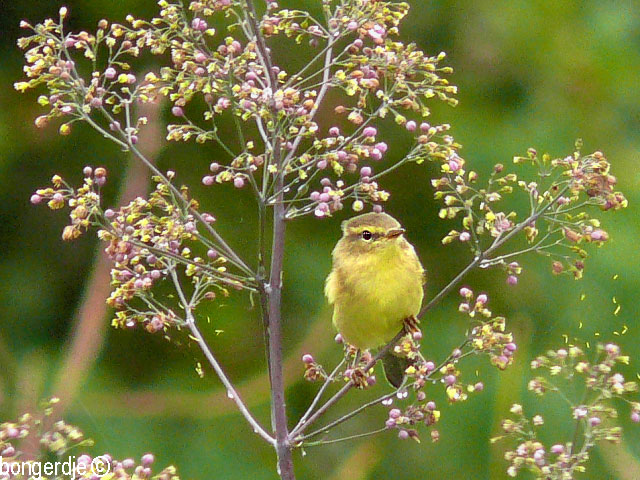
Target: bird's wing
(330,287)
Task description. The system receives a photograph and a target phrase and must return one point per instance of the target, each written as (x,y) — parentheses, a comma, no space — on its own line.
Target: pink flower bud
(411,126)
(465,292)
(308,359)
(321,210)
(370,132)
(36,199)
(238,182)
(208,180)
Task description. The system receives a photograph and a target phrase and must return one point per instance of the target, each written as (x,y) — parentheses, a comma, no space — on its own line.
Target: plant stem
(318,396)
(283,446)
(231,391)
(273,290)
(350,437)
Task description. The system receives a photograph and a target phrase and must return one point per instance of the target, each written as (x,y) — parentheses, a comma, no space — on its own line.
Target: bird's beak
(396,232)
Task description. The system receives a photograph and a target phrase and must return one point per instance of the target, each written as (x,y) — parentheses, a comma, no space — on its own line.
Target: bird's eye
(367,235)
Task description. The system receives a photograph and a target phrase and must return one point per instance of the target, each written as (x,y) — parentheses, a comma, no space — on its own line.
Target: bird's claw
(411,325)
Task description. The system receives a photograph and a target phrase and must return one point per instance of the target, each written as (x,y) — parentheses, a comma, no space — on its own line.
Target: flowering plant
(295,166)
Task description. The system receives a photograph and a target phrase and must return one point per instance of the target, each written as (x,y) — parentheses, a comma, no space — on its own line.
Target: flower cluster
(416,414)
(59,439)
(146,240)
(110,89)
(419,374)
(594,414)
(235,82)
(487,336)
(313,371)
(355,372)
(558,220)
(84,202)
(600,376)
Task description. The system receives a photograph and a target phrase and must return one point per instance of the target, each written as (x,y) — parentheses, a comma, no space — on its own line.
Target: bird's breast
(375,293)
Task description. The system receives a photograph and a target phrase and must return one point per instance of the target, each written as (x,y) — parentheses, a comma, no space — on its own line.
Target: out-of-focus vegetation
(535,74)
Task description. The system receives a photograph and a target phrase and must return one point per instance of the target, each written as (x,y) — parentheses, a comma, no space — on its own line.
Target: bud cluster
(559,219)
(84,202)
(273,111)
(146,241)
(594,415)
(487,336)
(60,439)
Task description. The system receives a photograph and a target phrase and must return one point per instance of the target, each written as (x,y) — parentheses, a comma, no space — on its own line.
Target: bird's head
(371,232)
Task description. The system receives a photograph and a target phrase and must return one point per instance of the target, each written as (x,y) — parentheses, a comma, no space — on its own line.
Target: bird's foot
(411,325)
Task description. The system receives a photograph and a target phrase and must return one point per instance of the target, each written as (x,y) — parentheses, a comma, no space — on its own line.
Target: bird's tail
(394,368)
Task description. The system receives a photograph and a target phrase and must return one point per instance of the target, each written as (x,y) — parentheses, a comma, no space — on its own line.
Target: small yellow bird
(376,283)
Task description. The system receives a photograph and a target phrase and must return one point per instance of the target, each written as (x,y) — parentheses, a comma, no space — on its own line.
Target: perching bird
(375,285)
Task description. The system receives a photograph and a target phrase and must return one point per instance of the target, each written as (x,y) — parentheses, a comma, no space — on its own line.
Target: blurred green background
(535,74)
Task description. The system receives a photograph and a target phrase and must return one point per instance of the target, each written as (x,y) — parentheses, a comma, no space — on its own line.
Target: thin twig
(231,391)
(318,396)
(343,439)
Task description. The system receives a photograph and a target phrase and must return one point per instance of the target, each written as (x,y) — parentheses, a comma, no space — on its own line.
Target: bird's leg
(411,325)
